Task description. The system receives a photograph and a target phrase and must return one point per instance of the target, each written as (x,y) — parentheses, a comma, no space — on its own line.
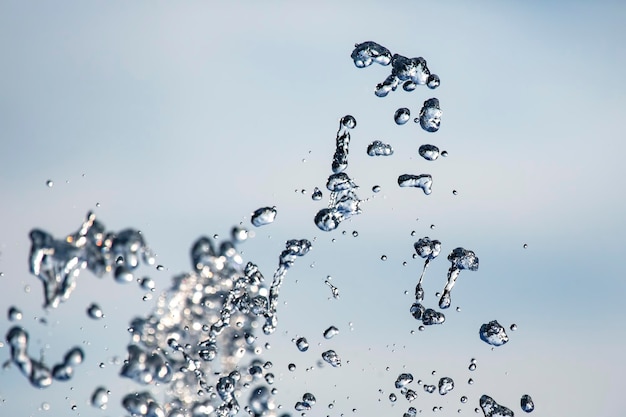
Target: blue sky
(181,120)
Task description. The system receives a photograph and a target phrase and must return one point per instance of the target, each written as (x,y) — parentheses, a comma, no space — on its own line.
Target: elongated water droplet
(423,181)
(403,379)
(94,311)
(378,148)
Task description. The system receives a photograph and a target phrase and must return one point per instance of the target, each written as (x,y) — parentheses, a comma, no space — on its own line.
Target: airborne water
(200,342)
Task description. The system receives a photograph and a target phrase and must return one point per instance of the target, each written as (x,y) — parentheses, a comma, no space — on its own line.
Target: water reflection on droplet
(402,115)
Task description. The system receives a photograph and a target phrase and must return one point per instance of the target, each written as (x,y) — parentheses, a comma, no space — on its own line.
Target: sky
(181,119)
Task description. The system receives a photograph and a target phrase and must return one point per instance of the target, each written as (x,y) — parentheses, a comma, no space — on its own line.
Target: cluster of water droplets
(343,202)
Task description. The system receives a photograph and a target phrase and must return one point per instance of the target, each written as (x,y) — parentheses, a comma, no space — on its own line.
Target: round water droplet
(383,258)
(376,188)
(464,399)
(513,327)
(392,397)
(348,122)
(94,311)
(402,115)
(455,192)
(317,194)
(433,81)
(525,246)
(291,367)
(50,183)
(472,367)
(444,153)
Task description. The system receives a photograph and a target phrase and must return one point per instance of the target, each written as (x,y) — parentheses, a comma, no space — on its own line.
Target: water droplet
(330,332)
(317,194)
(492,409)
(527,403)
(423,181)
(263,216)
(302,344)
(433,81)
(455,192)
(446,385)
(444,153)
(429,152)
(402,115)
(460,259)
(464,399)
(430,388)
(470,381)
(472,367)
(513,327)
(383,258)
(493,333)
(291,367)
(430,115)
(147,283)
(123,275)
(525,246)
(378,148)
(403,379)
(14,314)
(94,311)
(376,188)
(332,358)
(50,183)
(392,397)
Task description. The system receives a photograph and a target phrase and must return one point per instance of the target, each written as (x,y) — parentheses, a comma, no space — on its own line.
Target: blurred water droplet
(455,192)
(14,314)
(94,311)
(383,258)
(392,397)
(330,332)
(513,327)
(525,246)
(402,115)
(50,183)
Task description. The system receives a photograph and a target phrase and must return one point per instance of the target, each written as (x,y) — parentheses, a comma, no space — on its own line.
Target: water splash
(460,259)
(423,181)
(493,333)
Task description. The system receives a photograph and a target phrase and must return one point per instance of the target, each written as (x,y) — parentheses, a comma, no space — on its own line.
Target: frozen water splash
(402,115)
(493,333)
(38,374)
(430,115)
(378,148)
(426,249)
(429,152)
(343,202)
(332,358)
(460,259)
(58,262)
(527,404)
(366,53)
(263,216)
(423,181)
(492,409)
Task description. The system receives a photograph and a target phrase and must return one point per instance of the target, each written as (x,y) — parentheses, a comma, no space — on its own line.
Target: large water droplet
(493,333)
(423,181)
(378,148)
(446,385)
(527,403)
(263,216)
(492,409)
(364,54)
(402,115)
(430,115)
(302,344)
(317,194)
(429,152)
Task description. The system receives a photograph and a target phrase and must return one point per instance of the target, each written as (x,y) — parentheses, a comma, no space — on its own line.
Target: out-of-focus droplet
(50,183)
(94,311)
(513,327)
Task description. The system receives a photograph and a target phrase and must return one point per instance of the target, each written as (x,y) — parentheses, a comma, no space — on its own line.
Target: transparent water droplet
(376,188)
(492,409)
(430,115)
(378,148)
(393,397)
(123,274)
(332,358)
(455,192)
(460,259)
(470,381)
(14,314)
(527,403)
(366,53)
(330,332)
(317,194)
(513,327)
(94,311)
(446,384)
(444,153)
(433,81)
(464,399)
(410,395)
(493,333)
(423,181)
(402,115)
(291,367)
(148,283)
(302,344)
(348,122)
(50,183)
(429,152)
(263,216)
(403,380)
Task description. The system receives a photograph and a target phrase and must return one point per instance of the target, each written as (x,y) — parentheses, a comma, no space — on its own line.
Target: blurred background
(181,119)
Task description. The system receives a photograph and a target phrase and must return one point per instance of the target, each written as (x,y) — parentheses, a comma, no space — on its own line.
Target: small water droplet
(291,367)
(50,183)
(455,192)
(513,327)
(464,399)
(525,246)
(383,258)
(94,311)
(160,268)
(376,188)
